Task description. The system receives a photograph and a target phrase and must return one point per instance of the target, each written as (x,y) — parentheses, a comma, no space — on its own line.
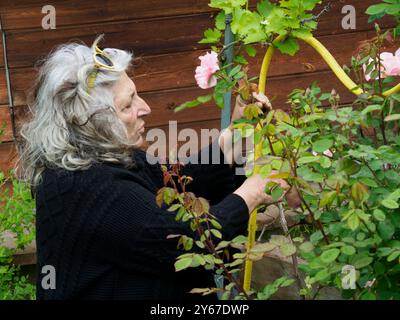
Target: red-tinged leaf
(358,191)
(198,208)
(160,197)
(166,177)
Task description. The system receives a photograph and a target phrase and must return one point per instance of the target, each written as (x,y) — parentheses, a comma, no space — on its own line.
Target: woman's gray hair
(70,128)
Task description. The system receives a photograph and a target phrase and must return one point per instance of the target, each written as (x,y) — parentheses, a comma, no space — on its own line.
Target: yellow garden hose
(347,82)
(252,225)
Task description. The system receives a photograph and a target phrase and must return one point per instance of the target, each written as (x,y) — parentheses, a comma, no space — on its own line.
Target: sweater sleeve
(138,229)
(213,179)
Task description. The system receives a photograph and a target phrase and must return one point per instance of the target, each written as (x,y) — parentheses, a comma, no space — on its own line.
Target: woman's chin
(138,139)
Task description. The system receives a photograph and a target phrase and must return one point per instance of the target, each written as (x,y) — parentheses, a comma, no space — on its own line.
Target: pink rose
(205,71)
(390,65)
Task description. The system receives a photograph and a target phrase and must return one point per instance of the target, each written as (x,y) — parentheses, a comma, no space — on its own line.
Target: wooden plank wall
(163,36)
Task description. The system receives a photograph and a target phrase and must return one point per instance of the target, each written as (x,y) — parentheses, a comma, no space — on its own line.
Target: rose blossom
(390,65)
(205,71)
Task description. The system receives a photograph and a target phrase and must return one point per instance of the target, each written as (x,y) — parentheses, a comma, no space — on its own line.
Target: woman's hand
(260,99)
(225,141)
(252,191)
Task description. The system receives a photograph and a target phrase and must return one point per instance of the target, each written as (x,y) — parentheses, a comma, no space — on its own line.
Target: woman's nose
(144,109)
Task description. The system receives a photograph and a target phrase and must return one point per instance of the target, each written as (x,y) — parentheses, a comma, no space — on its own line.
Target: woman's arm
(137,228)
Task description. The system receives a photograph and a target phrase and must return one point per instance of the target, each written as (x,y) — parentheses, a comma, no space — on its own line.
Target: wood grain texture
(26,14)
(163,36)
(176,70)
(162,103)
(151,36)
(8,156)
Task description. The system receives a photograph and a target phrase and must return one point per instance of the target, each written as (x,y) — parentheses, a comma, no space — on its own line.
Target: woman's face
(130,107)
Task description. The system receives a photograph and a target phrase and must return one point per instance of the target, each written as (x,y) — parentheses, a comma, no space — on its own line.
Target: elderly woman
(98,223)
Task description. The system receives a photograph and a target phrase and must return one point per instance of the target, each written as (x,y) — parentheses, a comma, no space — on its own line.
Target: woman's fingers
(263,99)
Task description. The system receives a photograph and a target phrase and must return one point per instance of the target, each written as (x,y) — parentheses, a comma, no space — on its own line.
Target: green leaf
(289,46)
(327,198)
(361,261)
(265,7)
(369,182)
(307,247)
(348,250)
(348,166)
(251,51)
(379,215)
(386,230)
(227,5)
(330,255)
(220,20)
(240,59)
(353,222)
(376,9)
(322,145)
(301,33)
(277,193)
(321,275)
(211,36)
(393,256)
(183,263)
(316,236)
(216,233)
(308,159)
(239,239)
(389,203)
(393,117)
(194,103)
(371,108)
(263,247)
(287,249)
(325,162)
(200,244)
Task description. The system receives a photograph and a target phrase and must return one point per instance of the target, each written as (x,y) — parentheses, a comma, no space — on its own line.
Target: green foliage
(386,7)
(17,216)
(291,19)
(206,246)
(343,161)
(350,194)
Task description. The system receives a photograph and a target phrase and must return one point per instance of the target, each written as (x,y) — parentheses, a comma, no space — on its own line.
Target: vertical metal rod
(9,91)
(228,39)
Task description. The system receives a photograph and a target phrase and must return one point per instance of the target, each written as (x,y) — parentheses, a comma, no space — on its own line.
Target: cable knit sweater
(107,239)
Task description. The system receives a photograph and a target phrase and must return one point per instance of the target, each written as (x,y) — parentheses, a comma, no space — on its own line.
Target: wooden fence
(164,37)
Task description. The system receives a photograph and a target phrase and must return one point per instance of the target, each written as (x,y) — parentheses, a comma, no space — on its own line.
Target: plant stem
(317,223)
(270,146)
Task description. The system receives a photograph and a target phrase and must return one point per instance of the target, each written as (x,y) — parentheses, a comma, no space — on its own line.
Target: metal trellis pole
(228,39)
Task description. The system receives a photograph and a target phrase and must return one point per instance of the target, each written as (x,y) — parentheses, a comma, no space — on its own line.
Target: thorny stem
(211,248)
(317,223)
(373,172)
(294,255)
(227,46)
(383,129)
(270,146)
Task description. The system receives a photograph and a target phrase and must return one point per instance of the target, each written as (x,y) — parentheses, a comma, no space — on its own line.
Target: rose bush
(342,160)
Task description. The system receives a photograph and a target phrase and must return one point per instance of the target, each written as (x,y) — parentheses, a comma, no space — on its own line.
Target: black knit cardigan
(104,234)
